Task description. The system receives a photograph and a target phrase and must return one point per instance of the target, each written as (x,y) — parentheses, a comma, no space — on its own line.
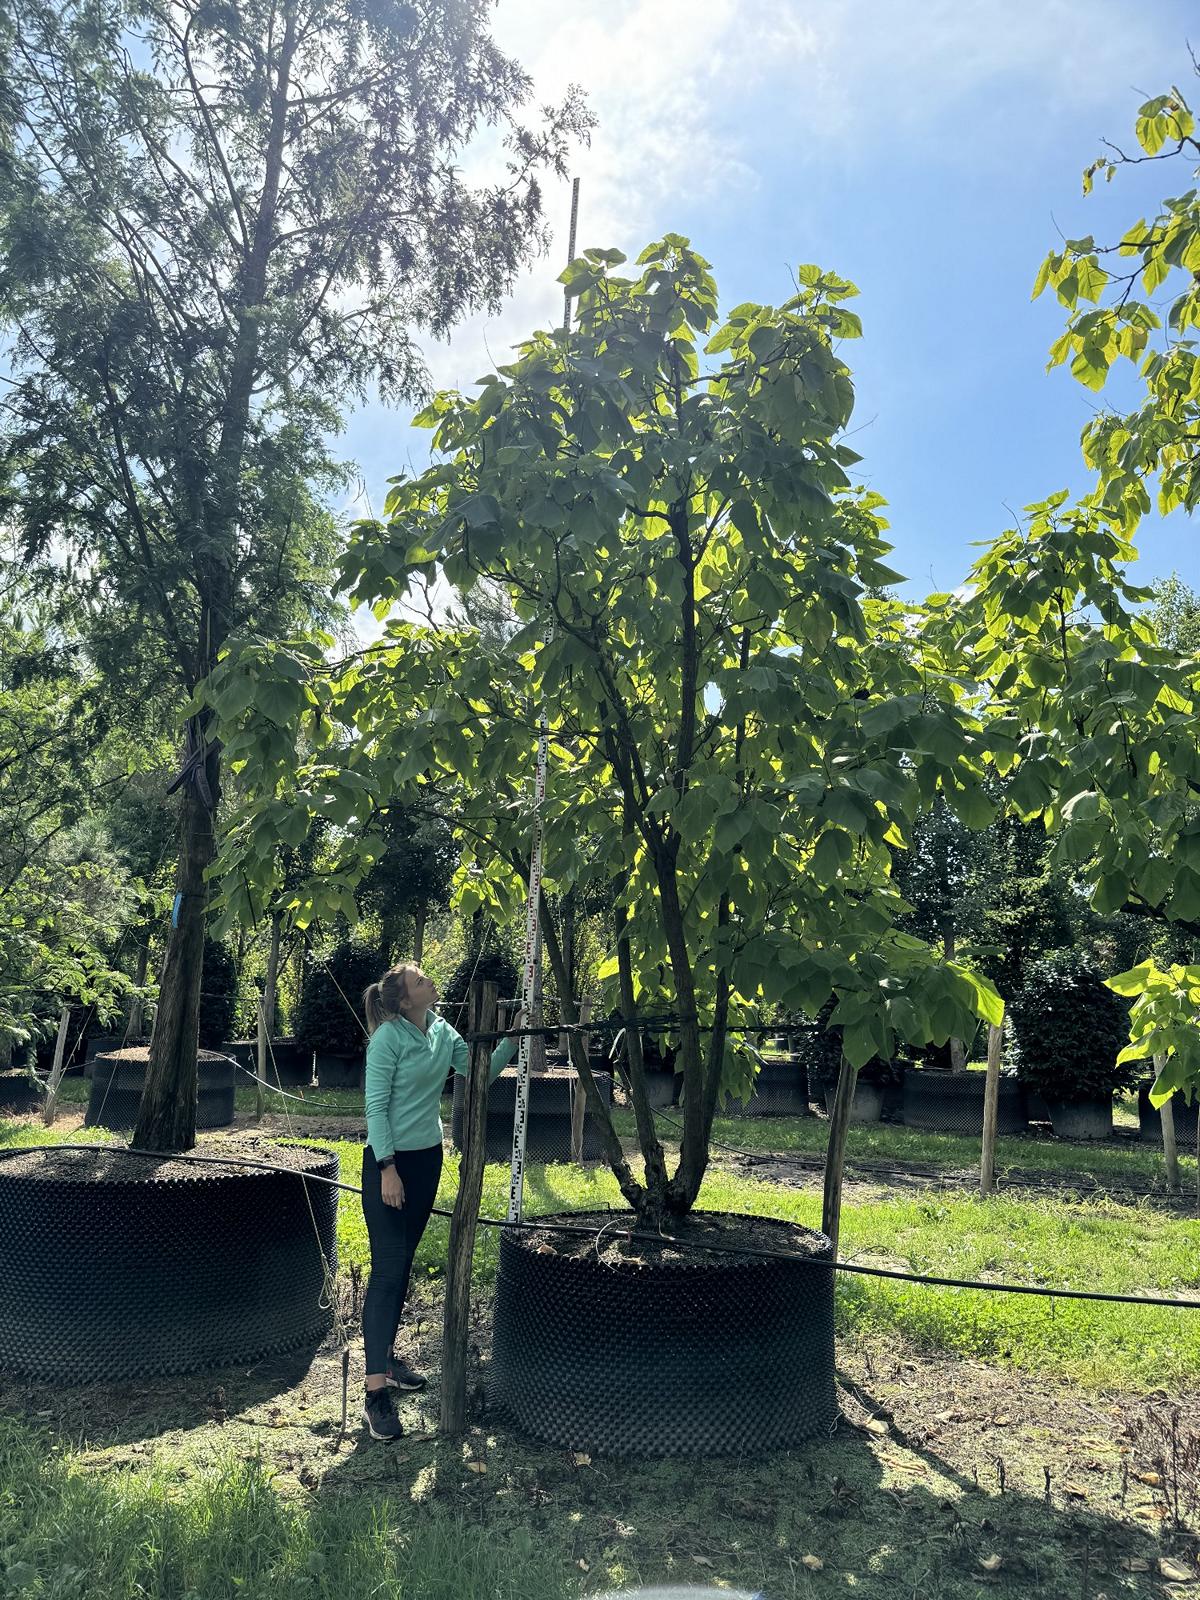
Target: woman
(410,1053)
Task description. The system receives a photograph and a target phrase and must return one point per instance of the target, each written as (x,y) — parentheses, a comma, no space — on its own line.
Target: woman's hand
(393,1187)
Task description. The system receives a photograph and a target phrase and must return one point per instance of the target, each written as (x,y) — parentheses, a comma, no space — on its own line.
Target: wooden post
(991,1104)
(58,1067)
(835,1153)
(482,1019)
(1170,1148)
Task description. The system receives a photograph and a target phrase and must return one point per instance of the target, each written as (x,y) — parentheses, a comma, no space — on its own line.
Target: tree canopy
(735,754)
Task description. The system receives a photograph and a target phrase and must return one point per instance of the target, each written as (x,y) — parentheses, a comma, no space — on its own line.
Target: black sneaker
(379,1415)
(401,1376)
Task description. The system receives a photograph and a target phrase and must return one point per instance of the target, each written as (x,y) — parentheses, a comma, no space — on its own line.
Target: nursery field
(989,1444)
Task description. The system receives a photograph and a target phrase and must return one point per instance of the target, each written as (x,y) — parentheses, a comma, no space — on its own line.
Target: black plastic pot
(1087,1119)
(867,1105)
(699,1354)
(952,1102)
(1036,1109)
(780,1090)
(548,1127)
(1150,1118)
(660,1090)
(287,1063)
(157,1266)
(19,1094)
(119,1078)
(336,1071)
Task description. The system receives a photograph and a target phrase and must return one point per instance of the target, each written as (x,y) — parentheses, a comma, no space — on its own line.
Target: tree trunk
(167,1115)
(456,1323)
(654,1202)
(389,934)
(835,1153)
(266,1016)
(537,1045)
(420,916)
(568,939)
(693,1145)
(991,1103)
(579,1098)
(613,1153)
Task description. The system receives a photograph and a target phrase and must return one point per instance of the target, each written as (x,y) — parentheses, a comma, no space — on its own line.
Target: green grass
(145,1535)
(1131,1163)
(1056,1241)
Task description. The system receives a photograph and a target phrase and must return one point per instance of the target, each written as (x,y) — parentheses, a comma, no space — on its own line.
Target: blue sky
(929,152)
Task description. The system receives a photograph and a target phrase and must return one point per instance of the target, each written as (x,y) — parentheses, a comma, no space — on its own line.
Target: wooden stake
(482,1017)
(991,1106)
(58,1068)
(1170,1148)
(835,1153)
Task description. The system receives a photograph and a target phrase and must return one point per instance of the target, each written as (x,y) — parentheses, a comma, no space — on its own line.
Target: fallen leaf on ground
(1152,1478)
(580,1459)
(1135,1564)
(1175,1571)
(991,1563)
(1001,1422)
(477,1466)
(584,1566)
(877,1426)
(702,1561)
(813,1563)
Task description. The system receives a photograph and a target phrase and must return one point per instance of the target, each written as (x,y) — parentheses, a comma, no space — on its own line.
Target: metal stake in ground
(466,1211)
(529,985)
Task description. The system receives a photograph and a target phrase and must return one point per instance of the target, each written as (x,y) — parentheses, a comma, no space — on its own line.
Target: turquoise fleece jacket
(406,1072)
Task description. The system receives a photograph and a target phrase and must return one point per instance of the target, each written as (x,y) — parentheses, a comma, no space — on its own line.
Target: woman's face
(422,991)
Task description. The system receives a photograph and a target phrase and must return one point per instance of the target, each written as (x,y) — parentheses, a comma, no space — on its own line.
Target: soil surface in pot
(681,1242)
(99,1163)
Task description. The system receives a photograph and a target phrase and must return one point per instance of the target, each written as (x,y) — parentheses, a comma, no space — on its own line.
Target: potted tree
(1070,1029)
(735,751)
(329,1017)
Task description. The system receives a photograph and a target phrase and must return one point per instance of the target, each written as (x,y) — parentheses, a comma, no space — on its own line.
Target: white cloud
(708,100)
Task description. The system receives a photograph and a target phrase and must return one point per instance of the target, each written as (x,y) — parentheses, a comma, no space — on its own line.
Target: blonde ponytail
(384,1000)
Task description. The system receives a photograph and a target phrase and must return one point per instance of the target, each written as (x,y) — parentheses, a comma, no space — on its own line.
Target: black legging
(395,1234)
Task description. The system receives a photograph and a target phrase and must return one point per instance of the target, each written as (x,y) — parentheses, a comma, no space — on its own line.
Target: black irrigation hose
(635,1236)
